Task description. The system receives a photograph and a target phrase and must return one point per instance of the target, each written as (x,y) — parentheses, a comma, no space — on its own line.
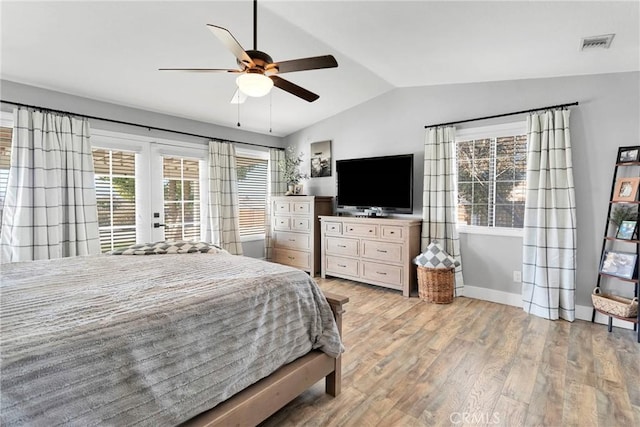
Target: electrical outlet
(517,276)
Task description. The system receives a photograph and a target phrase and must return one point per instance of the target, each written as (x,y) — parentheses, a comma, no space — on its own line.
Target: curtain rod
(504,115)
(19,104)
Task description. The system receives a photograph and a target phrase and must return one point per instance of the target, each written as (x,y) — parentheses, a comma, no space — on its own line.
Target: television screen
(381,182)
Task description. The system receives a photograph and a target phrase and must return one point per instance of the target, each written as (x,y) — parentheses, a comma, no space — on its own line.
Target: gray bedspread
(148,340)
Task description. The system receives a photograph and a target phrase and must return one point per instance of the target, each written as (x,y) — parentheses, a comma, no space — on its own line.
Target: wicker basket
(613,304)
(436,284)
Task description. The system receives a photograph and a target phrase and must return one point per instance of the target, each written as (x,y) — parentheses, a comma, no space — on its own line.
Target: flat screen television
(383,184)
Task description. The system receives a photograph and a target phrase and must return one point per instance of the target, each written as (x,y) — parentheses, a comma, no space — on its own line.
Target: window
(252,193)
(181,184)
(116,197)
(492,168)
(5,163)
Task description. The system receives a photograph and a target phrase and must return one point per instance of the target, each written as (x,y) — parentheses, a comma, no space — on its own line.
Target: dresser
(378,251)
(296,230)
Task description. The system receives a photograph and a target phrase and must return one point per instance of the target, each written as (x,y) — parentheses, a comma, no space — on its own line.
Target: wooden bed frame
(258,402)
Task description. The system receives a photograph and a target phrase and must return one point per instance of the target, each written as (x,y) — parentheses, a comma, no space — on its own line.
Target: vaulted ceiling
(110,51)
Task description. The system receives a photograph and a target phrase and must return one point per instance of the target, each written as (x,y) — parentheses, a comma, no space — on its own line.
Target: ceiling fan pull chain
(238,91)
(270,112)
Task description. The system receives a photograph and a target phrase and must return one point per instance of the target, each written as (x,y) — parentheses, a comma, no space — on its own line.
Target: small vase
(290,190)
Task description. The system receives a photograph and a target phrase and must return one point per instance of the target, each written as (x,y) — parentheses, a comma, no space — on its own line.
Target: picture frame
(627,230)
(626,189)
(619,264)
(629,154)
(320,154)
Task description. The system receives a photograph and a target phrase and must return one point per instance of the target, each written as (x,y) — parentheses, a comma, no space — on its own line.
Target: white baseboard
(501,297)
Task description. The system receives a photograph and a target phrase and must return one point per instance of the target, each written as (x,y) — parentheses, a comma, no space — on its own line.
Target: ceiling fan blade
(313,63)
(239,97)
(231,43)
(294,89)
(201,70)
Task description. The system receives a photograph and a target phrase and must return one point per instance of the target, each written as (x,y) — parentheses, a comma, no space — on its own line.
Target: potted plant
(290,168)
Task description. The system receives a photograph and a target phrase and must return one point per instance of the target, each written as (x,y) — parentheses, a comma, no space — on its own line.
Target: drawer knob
(370,231)
(291,257)
(342,246)
(342,265)
(380,250)
(381,273)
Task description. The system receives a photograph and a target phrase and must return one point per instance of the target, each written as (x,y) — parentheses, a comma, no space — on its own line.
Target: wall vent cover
(596,42)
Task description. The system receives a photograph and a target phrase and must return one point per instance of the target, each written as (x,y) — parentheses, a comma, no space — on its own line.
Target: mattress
(148,340)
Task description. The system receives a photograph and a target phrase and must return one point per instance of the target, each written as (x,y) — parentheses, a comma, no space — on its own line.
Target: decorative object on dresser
(377,251)
(615,264)
(296,230)
(290,168)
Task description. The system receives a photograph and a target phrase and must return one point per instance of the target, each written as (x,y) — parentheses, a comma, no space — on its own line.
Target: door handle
(158,225)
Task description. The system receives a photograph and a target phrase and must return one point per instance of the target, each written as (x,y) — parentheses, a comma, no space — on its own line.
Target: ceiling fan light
(253,84)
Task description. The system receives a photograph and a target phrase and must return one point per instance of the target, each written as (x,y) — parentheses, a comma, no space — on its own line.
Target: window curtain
(439,211)
(276,187)
(223,220)
(50,206)
(549,252)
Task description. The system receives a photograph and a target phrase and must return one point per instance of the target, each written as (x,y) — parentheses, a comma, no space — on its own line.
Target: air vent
(597,42)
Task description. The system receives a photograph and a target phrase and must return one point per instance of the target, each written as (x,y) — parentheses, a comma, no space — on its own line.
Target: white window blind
(252,194)
(492,180)
(116,197)
(5,163)
(181,182)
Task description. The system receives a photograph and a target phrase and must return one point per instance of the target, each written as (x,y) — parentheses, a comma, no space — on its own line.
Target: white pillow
(169,247)
(435,257)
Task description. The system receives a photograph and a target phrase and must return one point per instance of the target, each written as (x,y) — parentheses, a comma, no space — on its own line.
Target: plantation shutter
(5,163)
(252,194)
(115,197)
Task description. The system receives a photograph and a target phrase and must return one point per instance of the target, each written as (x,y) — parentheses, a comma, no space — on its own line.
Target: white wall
(607,117)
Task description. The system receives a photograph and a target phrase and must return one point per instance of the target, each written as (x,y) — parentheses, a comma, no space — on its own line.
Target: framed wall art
(626,189)
(627,230)
(320,159)
(628,154)
(619,264)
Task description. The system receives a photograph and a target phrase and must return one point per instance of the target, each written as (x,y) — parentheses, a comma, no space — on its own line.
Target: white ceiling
(111,51)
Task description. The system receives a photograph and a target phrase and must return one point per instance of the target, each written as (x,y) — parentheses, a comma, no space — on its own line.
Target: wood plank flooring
(470,363)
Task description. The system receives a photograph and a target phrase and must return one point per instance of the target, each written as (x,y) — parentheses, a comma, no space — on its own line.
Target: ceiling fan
(258,72)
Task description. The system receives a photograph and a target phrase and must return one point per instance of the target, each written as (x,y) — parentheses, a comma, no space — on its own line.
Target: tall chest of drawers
(296,230)
(378,251)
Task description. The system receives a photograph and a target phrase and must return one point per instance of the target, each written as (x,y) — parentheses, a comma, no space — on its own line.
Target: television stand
(378,251)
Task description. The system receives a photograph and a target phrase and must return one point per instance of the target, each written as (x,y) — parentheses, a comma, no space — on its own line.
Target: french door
(148,190)
(178,176)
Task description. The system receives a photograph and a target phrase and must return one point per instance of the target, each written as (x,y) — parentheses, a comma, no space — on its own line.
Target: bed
(201,339)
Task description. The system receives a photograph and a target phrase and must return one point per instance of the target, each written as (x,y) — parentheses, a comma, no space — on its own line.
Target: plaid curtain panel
(223,211)
(276,187)
(549,252)
(439,211)
(50,206)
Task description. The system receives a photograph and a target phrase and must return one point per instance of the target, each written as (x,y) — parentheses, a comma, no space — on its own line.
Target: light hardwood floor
(469,363)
